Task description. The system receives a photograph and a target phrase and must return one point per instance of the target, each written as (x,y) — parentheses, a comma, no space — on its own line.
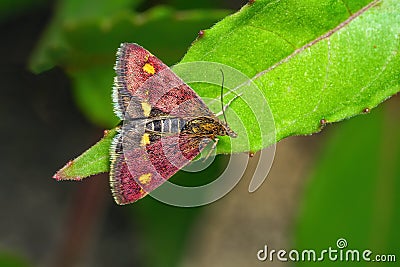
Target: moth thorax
(205,126)
(166,125)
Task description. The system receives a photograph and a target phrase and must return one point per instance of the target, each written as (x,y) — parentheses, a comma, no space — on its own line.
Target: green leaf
(316,62)
(94,160)
(354,193)
(312,61)
(92,92)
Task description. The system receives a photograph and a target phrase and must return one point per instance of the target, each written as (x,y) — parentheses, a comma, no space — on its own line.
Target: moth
(165,124)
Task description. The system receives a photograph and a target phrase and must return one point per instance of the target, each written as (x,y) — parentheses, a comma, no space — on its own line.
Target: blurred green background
(343,183)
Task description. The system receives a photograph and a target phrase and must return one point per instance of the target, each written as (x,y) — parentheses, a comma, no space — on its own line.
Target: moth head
(222,128)
(208,126)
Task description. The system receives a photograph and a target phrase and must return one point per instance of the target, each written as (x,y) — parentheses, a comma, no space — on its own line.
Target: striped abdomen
(166,125)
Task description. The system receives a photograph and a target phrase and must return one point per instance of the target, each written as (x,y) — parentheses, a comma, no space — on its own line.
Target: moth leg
(214,146)
(228,104)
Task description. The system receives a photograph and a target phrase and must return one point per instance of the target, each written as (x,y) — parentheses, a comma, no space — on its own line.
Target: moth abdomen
(166,125)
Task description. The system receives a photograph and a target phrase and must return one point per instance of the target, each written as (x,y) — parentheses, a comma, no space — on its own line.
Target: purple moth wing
(132,72)
(141,167)
(144,79)
(123,187)
(141,161)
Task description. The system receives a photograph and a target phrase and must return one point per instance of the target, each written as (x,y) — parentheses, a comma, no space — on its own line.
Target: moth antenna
(222,96)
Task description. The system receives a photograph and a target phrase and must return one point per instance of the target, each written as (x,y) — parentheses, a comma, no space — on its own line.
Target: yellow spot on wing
(146,109)
(149,68)
(145,178)
(145,139)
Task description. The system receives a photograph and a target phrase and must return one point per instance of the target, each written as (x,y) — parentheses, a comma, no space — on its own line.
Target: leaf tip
(57,176)
(62,174)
